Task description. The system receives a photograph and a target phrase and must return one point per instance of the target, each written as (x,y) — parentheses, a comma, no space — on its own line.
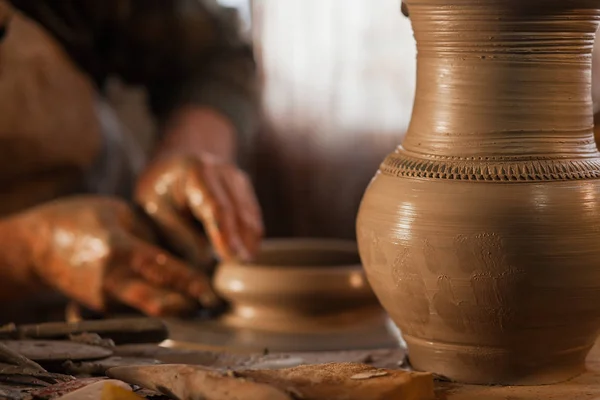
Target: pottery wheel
(56,351)
(298,295)
(215,334)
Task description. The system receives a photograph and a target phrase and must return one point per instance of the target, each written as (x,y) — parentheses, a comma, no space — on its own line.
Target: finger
(181,235)
(248,201)
(165,271)
(132,290)
(209,202)
(249,216)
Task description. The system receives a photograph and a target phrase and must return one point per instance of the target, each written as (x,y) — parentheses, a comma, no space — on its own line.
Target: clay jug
(481,234)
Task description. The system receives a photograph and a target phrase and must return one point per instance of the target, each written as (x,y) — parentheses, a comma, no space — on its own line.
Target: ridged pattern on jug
(490,168)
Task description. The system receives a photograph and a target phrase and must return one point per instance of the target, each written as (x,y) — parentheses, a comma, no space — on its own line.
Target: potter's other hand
(93,249)
(193,183)
(179,191)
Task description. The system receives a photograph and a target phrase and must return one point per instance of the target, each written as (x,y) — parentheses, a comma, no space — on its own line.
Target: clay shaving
(368,375)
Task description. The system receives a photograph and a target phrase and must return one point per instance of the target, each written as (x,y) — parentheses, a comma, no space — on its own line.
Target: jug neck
(496,79)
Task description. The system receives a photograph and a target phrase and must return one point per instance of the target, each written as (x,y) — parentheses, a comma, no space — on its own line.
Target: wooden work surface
(585,387)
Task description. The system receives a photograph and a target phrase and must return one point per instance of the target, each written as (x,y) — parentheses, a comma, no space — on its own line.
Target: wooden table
(585,387)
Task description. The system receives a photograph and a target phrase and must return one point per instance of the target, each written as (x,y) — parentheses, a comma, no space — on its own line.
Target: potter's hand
(93,250)
(178,191)
(193,179)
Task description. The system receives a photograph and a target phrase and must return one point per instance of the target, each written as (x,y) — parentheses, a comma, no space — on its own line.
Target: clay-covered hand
(95,250)
(180,191)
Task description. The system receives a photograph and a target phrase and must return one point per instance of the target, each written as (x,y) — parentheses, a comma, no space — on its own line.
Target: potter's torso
(49,131)
(58,136)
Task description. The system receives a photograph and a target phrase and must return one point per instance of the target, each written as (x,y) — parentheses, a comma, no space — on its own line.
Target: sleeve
(187,52)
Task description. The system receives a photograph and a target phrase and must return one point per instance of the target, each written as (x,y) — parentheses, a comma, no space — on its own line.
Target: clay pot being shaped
(299,285)
(480,235)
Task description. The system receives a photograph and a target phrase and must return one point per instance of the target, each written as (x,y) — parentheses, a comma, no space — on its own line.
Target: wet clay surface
(479,235)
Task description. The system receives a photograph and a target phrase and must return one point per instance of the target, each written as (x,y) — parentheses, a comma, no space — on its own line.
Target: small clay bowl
(300,285)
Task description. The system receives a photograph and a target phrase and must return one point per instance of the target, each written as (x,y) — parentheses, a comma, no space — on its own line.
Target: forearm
(214,112)
(195,130)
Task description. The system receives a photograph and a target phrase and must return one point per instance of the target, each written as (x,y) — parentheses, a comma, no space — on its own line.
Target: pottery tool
(123,330)
(55,351)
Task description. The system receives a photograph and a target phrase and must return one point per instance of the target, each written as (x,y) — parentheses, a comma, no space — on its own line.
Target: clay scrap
(188,382)
(347,381)
(44,351)
(10,356)
(336,381)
